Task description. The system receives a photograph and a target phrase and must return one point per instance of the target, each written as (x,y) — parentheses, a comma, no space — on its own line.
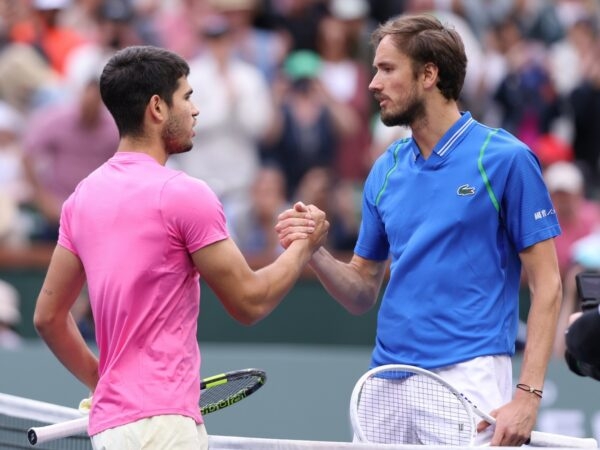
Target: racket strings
(231,391)
(401,408)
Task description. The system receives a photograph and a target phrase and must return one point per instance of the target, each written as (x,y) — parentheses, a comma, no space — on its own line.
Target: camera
(588,289)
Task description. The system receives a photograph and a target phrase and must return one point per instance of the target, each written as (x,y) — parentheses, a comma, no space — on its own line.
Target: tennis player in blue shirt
(459,209)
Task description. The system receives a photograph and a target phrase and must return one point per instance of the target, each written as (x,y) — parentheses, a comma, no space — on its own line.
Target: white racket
(401,404)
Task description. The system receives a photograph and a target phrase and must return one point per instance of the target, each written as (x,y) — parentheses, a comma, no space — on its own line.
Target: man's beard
(172,139)
(406,117)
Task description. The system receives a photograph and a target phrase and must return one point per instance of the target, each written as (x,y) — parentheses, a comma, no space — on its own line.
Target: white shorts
(173,432)
(486,381)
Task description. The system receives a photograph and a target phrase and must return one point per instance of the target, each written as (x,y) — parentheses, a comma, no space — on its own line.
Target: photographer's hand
(573,317)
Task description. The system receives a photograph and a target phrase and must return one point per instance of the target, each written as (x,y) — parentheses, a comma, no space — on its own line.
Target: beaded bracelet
(527,388)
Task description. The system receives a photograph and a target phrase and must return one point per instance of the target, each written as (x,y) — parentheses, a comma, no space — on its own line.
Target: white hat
(564,176)
(349,9)
(9,304)
(51,4)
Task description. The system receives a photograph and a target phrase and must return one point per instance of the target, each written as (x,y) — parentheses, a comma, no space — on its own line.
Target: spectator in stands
(478,15)
(344,216)
(322,187)
(578,216)
(63,143)
(114,30)
(14,189)
(345,79)
(305,131)
(585,106)
(356,17)
(569,57)
(265,49)
(10,317)
(526,95)
(236,109)
(26,79)
(45,32)
(254,235)
(178,26)
(298,21)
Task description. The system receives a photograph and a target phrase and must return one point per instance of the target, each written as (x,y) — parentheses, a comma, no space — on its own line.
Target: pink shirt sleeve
(193,213)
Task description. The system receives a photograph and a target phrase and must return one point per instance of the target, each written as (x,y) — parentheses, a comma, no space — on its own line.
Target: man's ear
(430,75)
(157,108)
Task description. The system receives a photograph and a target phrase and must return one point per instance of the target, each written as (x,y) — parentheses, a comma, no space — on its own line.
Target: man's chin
(179,150)
(395,120)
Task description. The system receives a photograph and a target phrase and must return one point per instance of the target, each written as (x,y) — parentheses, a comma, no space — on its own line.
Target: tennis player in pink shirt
(141,235)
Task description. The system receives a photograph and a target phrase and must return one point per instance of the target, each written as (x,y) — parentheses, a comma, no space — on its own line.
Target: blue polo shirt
(453,225)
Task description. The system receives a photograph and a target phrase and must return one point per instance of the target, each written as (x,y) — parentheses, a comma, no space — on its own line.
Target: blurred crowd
(285,112)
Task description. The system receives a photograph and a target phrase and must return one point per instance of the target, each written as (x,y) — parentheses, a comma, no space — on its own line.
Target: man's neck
(143,145)
(428,131)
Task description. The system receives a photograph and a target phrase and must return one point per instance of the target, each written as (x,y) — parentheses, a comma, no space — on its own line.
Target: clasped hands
(302,222)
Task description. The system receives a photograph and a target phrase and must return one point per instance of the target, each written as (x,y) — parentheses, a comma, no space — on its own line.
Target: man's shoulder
(179,183)
(497,141)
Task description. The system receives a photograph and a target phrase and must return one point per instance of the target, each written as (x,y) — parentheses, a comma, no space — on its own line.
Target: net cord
(36,410)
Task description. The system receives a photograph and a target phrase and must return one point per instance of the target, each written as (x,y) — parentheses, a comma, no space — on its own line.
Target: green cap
(302,64)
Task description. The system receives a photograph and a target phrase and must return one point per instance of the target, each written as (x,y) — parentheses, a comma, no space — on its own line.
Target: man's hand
(297,223)
(319,235)
(514,421)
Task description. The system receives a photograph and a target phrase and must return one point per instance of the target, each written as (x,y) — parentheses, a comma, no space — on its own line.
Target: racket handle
(542,439)
(37,435)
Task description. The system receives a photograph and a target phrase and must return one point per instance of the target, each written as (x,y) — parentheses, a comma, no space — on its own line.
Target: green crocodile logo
(465,189)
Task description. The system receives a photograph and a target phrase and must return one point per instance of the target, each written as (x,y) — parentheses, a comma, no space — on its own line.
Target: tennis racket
(216,392)
(401,404)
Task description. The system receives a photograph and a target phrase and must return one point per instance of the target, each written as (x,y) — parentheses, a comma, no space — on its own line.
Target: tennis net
(18,414)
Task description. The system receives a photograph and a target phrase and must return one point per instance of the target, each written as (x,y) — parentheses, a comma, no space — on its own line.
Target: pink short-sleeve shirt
(134,223)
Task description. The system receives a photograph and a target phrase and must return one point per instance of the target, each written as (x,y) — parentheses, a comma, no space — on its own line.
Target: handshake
(583,335)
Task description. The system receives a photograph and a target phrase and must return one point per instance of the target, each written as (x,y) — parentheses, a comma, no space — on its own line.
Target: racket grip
(542,439)
(37,435)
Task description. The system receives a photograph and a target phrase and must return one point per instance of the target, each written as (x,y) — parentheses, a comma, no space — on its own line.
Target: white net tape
(246,443)
(17,414)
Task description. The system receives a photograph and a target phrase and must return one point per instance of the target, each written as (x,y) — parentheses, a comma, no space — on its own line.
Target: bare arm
(250,295)
(516,420)
(354,285)
(54,322)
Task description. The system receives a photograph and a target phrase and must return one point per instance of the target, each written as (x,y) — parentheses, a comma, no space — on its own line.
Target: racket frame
(372,373)
(537,439)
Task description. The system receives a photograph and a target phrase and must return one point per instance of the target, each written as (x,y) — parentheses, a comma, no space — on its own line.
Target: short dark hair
(132,76)
(424,39)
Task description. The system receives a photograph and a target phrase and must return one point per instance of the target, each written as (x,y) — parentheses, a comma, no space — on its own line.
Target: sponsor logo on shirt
(465,189)
(542,213)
